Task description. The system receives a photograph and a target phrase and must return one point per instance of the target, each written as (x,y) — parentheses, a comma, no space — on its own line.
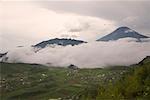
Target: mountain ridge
(122,32)
(58,41)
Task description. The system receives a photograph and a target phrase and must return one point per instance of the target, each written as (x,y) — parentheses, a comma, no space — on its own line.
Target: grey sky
(133,13)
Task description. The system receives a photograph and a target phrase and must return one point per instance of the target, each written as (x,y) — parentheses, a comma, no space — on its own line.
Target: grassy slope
(135,84)
(37,82)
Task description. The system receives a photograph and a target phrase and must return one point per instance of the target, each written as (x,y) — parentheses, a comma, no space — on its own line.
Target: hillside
(135,84)
(37,82)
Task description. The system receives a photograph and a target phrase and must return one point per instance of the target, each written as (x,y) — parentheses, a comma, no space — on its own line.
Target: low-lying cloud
(88,55)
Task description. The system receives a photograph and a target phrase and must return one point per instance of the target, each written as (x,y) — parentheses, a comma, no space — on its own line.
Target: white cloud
(88,55)
(25,23)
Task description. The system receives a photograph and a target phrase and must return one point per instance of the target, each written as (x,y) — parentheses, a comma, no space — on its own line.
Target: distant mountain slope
(3,54)
(145,60)
(3,57)
(122,32)
(62,42)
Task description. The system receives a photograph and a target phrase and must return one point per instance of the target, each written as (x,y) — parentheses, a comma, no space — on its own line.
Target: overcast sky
(28,22)
(132,13)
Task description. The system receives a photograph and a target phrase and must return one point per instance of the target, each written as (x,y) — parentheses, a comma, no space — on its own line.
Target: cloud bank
(88,55)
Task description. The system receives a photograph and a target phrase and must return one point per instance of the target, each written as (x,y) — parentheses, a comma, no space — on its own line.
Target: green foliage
(135,84)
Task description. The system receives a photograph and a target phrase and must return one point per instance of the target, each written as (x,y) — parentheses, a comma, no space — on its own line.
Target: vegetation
(37,82)
(135,84)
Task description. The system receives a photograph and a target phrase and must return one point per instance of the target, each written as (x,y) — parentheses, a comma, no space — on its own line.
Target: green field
(37,82)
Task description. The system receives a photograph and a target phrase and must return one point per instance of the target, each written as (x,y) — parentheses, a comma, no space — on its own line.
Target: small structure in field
(71,66)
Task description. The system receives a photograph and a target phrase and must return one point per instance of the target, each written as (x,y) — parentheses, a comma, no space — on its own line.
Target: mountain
(122,32)
(145,60)
(62,42)
(3,54)
(3,57)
